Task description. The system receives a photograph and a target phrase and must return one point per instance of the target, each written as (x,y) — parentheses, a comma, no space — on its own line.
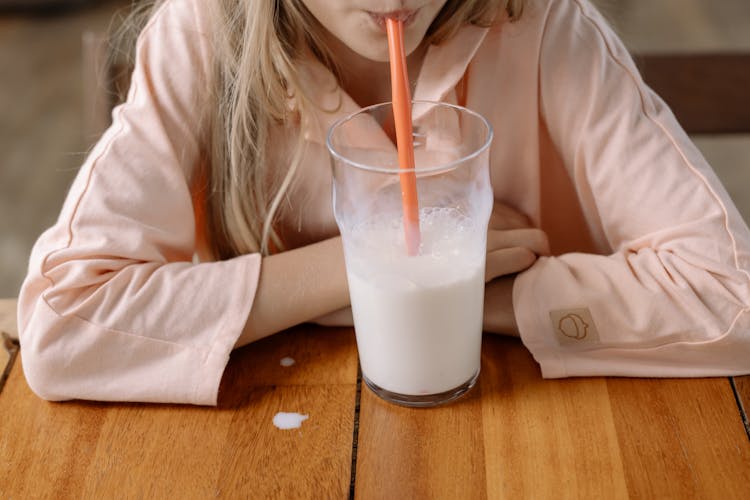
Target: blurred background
(45,93)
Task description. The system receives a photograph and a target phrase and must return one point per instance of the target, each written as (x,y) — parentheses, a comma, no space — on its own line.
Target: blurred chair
(708,93)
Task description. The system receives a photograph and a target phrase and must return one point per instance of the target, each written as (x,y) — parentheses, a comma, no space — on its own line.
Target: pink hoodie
(649,277)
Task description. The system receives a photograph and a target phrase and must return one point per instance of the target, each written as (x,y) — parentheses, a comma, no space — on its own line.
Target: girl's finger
(508,261)
(533,239)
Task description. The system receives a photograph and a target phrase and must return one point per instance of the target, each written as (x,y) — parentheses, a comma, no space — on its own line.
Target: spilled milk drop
(287,421)
(287,362)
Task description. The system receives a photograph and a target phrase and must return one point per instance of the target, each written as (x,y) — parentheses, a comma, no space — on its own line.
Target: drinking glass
(417,318)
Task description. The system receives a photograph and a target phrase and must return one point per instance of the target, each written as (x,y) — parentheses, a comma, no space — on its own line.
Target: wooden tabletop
(515,435)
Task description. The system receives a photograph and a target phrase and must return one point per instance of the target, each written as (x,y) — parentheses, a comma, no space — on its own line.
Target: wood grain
(4,360)
(420,453)
(742,395)
(8,317)
(681,438)
(81,449)
(8,338)
(549,438)
(519,436)
(742,385)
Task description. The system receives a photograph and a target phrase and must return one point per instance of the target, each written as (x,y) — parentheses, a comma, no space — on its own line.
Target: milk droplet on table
(287,421)
(287,361)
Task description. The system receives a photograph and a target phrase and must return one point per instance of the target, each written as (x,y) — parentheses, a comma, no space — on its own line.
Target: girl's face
(360,24)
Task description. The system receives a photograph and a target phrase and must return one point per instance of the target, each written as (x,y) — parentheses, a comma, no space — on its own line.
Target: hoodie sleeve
(113,307)
(671,299)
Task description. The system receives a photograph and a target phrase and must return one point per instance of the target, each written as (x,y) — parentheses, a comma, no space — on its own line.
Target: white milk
(418,319)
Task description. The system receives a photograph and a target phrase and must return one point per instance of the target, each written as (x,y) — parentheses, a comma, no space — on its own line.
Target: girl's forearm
(309,282)
(297,286)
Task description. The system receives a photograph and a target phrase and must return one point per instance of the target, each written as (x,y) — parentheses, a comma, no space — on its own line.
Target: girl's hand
(512,244)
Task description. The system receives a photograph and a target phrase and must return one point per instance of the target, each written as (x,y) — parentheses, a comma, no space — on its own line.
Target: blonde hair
(256,44)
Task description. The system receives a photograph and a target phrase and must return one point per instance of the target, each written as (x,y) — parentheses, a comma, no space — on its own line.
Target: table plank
(517,435)
(8,317)
(742,387)
(420,453)
(8,337)
(681,438)
(545,438)
(82,449)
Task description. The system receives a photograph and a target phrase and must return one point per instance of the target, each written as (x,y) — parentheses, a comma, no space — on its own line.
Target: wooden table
(514,436)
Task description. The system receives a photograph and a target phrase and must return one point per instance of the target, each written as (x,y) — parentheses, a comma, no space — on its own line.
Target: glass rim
(397,170)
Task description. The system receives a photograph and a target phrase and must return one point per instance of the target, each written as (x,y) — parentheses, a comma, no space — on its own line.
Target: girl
(202,220)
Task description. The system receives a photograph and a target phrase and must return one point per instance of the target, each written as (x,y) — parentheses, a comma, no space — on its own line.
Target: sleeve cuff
(214,364)
(536,334)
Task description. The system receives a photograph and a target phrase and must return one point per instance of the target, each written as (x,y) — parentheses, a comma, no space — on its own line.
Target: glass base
(422,400)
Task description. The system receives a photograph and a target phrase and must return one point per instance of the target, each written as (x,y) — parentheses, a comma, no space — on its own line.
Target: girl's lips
(405,16)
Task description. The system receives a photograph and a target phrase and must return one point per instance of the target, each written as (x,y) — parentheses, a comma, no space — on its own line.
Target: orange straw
(402,118)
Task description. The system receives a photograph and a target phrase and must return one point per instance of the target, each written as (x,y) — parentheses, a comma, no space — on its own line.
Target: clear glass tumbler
(418,318)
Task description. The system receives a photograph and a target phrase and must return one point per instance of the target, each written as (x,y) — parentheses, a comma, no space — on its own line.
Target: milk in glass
(417,318)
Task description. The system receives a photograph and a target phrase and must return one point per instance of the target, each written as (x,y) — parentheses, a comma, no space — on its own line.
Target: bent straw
(402,120)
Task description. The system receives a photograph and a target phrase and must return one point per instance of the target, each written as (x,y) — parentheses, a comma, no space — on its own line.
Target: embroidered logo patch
(574,326)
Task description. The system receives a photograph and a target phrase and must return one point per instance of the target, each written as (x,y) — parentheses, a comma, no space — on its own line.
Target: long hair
(256,44)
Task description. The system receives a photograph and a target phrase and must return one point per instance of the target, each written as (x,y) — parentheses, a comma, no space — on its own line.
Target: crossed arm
(310,282)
